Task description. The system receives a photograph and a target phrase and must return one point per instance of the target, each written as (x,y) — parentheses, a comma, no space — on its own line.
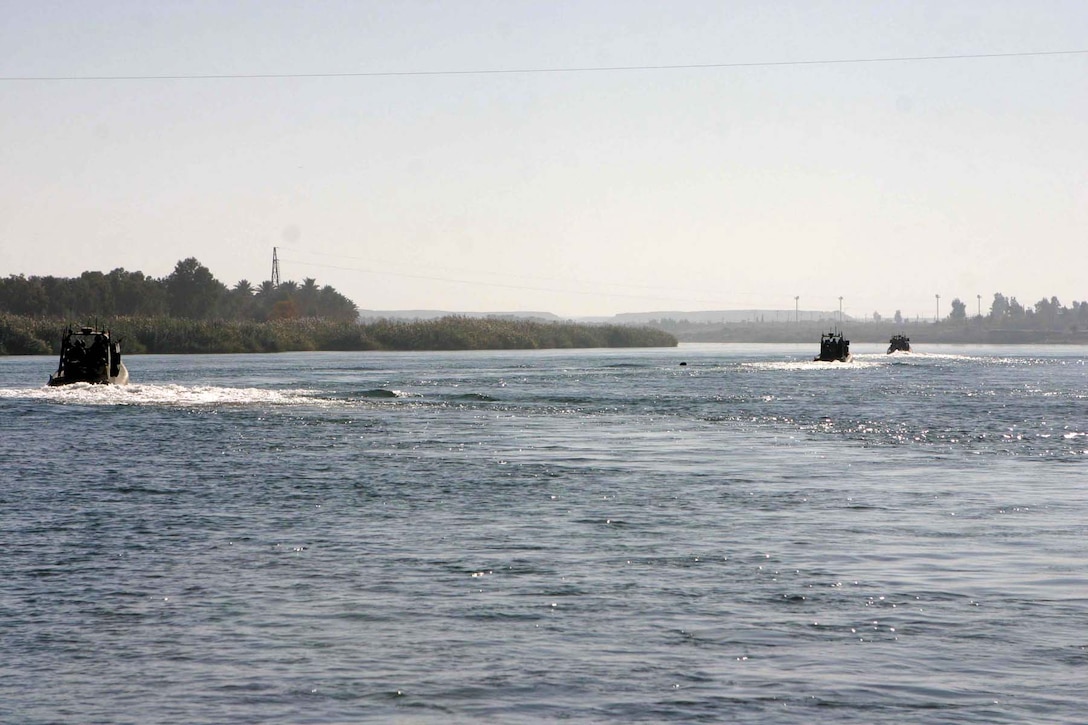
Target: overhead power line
(529,71)
(475,271)
(501,285)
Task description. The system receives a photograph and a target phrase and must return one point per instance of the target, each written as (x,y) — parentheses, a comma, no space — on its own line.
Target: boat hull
(121,378)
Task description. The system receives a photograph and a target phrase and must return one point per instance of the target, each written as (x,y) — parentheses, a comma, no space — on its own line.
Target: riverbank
(33,336)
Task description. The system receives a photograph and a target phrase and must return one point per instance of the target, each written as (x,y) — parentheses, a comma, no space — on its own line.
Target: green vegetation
(21,335)
(192,312)
(190,292)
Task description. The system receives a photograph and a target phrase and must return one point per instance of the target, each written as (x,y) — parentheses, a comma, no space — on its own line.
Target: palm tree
(241,300)
(265,298)
(307,297)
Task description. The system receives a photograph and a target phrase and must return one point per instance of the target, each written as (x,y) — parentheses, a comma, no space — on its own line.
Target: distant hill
(641,318)
(626,318)
(371,315)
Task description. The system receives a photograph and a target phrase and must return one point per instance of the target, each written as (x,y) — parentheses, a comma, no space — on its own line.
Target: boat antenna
(275,268)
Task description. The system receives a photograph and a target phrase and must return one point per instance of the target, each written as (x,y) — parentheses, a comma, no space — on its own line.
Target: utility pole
(840,311)
(938,318)
(797,309)
(275,268)
(979,305)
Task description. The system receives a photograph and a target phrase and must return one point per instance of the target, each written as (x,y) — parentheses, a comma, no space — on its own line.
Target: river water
(522,537)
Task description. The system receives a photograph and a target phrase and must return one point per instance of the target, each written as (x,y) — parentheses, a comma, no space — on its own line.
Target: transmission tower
(275,268)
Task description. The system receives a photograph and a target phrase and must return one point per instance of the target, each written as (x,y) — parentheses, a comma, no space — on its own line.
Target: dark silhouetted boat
(899,343)
(89,356)
(833,348)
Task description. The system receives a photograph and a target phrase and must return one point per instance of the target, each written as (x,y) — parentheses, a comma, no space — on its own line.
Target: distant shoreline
(920,333)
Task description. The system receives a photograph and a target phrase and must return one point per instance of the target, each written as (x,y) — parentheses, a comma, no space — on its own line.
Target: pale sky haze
(375,169)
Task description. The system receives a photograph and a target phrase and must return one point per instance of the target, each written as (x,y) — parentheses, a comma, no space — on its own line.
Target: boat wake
(855,364)
(915,355)
(160,395)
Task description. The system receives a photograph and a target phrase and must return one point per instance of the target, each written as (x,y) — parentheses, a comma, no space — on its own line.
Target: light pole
(797,309)
(938,318)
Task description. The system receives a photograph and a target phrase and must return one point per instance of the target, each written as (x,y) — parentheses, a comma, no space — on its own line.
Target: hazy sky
(407,186)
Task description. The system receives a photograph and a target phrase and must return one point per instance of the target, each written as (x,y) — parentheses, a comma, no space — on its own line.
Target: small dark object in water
(899,343)
(89,356)
(683,363)
(833,347)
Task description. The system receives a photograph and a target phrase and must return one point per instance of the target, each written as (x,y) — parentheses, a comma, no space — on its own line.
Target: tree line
(1046,314)
(190,292)
(1006,321)
(1006,312)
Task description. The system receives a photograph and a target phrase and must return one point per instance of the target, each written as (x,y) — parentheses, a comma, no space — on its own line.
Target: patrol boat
(899,343)
(834,348)
(89,356)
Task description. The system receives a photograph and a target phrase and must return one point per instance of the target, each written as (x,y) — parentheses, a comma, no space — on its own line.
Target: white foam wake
(854,364)
(171,395)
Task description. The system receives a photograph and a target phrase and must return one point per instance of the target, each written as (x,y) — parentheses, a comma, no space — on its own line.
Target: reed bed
(22,335)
